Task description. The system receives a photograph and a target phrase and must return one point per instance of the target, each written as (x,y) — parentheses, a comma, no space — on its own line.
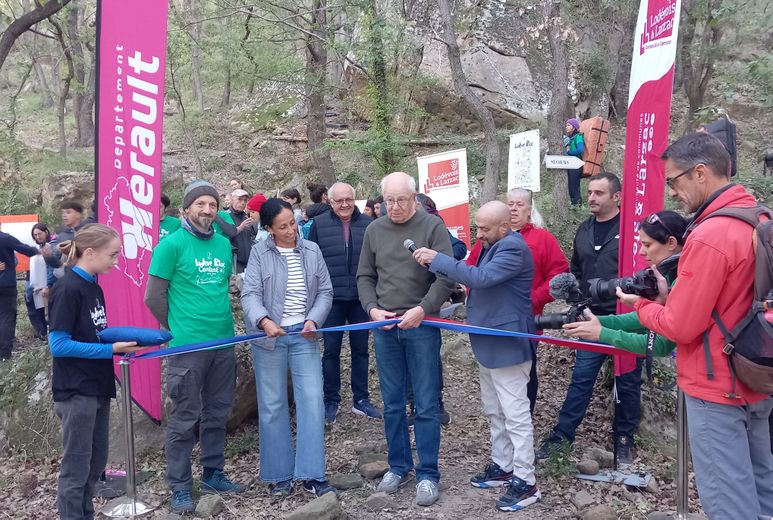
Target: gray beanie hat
(196,189)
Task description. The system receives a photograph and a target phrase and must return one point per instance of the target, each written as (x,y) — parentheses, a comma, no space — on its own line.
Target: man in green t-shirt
(167,224)
(188,293)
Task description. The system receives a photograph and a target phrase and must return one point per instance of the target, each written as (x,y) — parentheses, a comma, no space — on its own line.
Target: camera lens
(603,290)
(550,321)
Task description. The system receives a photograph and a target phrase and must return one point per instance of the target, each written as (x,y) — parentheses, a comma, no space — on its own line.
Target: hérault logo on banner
(442,174)
(659,25)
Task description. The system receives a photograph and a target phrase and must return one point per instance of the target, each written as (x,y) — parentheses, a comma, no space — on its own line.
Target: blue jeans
(278,462)
(414,354)
(575,176)
(627,410)
(343,312)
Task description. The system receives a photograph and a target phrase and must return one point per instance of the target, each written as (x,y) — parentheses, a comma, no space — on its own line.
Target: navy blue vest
(341,258)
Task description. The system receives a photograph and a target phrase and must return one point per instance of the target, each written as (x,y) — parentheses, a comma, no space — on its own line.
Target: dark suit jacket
(500,297)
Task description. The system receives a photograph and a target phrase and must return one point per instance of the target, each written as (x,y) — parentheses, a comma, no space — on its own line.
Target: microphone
(409,245)
(563,286)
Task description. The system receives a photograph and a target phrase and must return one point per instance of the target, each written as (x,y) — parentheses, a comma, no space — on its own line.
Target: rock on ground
(209,505)
(373,470)
(600,512)
(589,467)
(582,499)
(379,501)
(326,507)
(343,481)
(606,459)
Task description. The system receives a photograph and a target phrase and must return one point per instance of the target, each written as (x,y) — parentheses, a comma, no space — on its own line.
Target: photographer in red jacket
(727,421)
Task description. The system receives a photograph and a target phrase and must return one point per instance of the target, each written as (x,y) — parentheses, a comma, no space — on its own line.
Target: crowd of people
(330,264)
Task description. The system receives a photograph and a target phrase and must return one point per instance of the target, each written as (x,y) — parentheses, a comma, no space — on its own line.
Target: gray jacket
(265,282)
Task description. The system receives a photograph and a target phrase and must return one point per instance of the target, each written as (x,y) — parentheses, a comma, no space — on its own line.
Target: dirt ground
(28,486)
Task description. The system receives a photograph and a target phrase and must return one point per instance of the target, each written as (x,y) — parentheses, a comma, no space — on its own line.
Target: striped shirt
(295,296)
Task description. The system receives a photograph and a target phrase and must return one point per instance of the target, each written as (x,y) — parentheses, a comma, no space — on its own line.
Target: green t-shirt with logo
(225,216)
(198,272)
(167,226)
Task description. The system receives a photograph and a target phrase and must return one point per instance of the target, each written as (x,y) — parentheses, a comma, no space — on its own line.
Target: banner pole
(682,459)
(127,506)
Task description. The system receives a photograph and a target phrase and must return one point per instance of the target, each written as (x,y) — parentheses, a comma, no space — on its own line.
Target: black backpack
(749,344)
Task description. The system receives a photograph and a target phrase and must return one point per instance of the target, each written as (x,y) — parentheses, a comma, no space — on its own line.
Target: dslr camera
(564,287)
(642,283)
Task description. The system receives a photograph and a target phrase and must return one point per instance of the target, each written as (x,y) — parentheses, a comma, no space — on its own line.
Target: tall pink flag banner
(647,123)
(131,50)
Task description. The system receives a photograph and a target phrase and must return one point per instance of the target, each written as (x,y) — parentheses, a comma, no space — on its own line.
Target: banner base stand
(125,507)
(638,480)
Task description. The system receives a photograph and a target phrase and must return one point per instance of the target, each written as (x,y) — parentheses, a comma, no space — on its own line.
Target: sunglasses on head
(655,219)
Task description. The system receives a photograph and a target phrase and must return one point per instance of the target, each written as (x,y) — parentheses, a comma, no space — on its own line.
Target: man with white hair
(339,234)
(392,284)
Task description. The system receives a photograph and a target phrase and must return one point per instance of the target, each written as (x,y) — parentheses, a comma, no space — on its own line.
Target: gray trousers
(201,386)
(730,448)
(85,437)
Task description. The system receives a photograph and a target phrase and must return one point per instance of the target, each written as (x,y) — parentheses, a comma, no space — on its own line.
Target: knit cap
(574,123)
(196,189)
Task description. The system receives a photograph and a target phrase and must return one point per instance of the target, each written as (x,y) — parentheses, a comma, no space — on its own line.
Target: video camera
(642,283)
(564,286)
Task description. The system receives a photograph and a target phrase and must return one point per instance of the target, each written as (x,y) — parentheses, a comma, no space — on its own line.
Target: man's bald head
(493,222)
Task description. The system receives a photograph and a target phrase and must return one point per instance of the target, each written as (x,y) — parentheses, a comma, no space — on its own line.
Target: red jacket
(716,271)
(549,261)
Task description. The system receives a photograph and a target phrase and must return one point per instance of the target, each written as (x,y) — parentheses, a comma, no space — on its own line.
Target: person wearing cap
(245,231)
(574,145)
(253,209)
(194,264)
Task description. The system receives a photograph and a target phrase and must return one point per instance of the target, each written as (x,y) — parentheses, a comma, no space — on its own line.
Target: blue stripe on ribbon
(430,322)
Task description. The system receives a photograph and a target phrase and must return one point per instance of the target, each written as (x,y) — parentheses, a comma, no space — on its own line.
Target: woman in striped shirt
(287,294)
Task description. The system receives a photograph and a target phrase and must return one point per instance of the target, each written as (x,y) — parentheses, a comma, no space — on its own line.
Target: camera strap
(648,359)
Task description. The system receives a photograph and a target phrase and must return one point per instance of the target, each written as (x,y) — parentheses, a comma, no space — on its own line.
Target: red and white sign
(131,72)
(443,178)
(646,133)
(20,227)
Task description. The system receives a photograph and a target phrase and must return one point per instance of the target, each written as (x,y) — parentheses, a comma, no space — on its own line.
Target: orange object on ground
(594,132)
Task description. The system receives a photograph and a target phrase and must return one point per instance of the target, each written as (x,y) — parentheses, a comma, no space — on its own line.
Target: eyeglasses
(400,201)
(654,218)
(341,202)
(671,181)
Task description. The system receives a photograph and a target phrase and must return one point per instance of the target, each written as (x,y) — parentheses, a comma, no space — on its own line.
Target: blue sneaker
(366,408)
(318,487)
(518,496)
(331,410)
(492,476)
(219,483)
(182,502)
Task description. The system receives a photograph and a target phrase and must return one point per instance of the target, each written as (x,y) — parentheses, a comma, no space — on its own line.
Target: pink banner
(646,135)
(131,48)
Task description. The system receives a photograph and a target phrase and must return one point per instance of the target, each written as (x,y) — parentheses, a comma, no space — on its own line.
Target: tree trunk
(25,22)
(196,53)
(316,73)
(473,102)
(379,92)
(46,100)
(83,99)
(65,90)
(560,107)
(698,70)
(226,99)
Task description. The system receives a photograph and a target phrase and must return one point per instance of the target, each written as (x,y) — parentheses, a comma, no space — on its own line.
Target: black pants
(7,320)
(531,388)
(37,316)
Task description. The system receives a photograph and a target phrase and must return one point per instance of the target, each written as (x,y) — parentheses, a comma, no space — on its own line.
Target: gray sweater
(389,278)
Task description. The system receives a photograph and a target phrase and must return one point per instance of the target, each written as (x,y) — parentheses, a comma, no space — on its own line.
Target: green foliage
(759,71)
(559,462)
(593,72)
(246,442)
(761,187)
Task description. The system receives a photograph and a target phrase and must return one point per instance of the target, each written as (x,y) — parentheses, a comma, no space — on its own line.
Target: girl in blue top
(82,366)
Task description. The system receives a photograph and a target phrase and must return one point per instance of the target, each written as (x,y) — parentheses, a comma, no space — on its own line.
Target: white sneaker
(391,482)
(426,493)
